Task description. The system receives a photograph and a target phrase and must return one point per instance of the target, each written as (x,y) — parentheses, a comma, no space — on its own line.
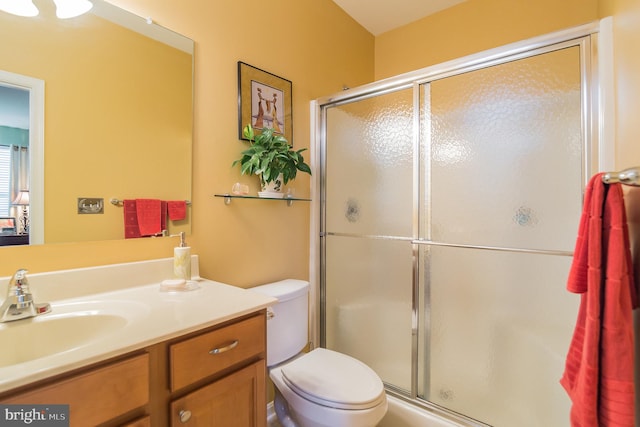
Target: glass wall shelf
(227,198)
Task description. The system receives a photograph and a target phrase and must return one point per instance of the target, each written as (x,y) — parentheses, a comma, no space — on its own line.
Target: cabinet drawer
(211,352)
(98,395)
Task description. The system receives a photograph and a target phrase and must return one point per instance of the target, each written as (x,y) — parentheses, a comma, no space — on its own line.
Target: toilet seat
(333,379)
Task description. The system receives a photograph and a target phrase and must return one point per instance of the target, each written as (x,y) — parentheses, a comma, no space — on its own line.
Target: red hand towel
(131,229)
(149,212)
(177,210)
(599,368)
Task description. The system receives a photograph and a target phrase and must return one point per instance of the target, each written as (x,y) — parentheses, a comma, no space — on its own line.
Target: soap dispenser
(182,260)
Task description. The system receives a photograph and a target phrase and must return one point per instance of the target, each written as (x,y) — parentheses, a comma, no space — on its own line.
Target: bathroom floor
(272,418)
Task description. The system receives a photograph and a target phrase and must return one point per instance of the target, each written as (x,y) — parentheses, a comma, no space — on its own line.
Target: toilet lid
(334,379)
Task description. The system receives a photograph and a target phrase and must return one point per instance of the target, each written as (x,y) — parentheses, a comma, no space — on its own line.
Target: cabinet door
(141,422)
(238,400)
(96,396)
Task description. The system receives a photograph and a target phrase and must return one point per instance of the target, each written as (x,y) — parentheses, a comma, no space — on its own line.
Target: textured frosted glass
(368,304)
(506,154)
(501,324)
(369,166)
(501,157)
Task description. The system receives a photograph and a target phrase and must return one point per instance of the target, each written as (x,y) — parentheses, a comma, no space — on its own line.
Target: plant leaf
(247,132)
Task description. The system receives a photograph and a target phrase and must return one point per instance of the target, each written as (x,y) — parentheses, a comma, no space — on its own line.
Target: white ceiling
(379,16)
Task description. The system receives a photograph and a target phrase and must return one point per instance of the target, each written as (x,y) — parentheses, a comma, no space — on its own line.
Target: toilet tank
(287,329)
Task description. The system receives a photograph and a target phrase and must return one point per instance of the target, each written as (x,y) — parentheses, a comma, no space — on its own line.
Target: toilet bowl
(321,388)
(325,388)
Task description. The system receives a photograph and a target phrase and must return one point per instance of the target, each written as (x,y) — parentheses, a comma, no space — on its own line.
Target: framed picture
(264,101)
(7,225)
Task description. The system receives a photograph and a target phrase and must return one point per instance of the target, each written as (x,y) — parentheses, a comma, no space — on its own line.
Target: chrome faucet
(19,303)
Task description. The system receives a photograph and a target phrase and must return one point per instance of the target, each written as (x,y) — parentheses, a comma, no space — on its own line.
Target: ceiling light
(71,8)
(19,7)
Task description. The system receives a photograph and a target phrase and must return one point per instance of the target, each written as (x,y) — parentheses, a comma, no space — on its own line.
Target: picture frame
(260,95)
(7,225)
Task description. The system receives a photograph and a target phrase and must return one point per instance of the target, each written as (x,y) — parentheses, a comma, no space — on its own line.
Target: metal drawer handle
(184,415)
(231,346)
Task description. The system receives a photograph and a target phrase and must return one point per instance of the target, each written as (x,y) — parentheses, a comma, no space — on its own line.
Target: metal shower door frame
(594,40)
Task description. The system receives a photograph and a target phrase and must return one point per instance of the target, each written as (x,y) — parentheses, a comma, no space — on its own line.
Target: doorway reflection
(14,165)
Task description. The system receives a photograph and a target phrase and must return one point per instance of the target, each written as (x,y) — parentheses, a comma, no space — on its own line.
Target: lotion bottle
(182,260)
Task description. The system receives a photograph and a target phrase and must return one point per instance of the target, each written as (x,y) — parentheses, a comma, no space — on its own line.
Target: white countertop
(152,316)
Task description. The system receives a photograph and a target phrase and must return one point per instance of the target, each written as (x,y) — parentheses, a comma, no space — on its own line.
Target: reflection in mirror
(21,157)
(116,121)
(14,162)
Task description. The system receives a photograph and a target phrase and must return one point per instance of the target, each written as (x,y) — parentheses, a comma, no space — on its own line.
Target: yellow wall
(314,44)
(474,26)
(626,38)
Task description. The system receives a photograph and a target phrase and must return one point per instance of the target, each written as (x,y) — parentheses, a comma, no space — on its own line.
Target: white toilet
(322,388)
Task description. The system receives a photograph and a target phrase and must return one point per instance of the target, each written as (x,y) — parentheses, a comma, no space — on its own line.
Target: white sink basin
(66,328)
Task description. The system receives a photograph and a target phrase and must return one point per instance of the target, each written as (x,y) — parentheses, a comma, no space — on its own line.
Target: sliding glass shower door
(505,181)
(450,205)
(369,211)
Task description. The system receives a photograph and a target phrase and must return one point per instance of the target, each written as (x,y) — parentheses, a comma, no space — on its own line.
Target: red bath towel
(163,215)
(131,229)
(149,212)
(599,368)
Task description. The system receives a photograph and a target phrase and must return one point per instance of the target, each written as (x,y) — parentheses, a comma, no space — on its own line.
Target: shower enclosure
(448,205)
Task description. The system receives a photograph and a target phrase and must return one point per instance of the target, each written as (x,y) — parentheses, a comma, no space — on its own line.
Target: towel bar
(629,176)
(118,202)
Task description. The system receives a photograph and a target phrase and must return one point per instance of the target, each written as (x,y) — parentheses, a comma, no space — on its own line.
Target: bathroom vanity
(180,358)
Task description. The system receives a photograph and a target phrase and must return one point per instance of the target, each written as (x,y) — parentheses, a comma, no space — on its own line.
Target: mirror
(116,116)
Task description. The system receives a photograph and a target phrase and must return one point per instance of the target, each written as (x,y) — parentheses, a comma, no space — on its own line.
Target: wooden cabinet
(234,400)
(98,395)
(141,422)
(236,355)
(213,377)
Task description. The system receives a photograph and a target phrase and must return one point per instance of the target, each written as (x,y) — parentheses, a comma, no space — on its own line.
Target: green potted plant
(271,157)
